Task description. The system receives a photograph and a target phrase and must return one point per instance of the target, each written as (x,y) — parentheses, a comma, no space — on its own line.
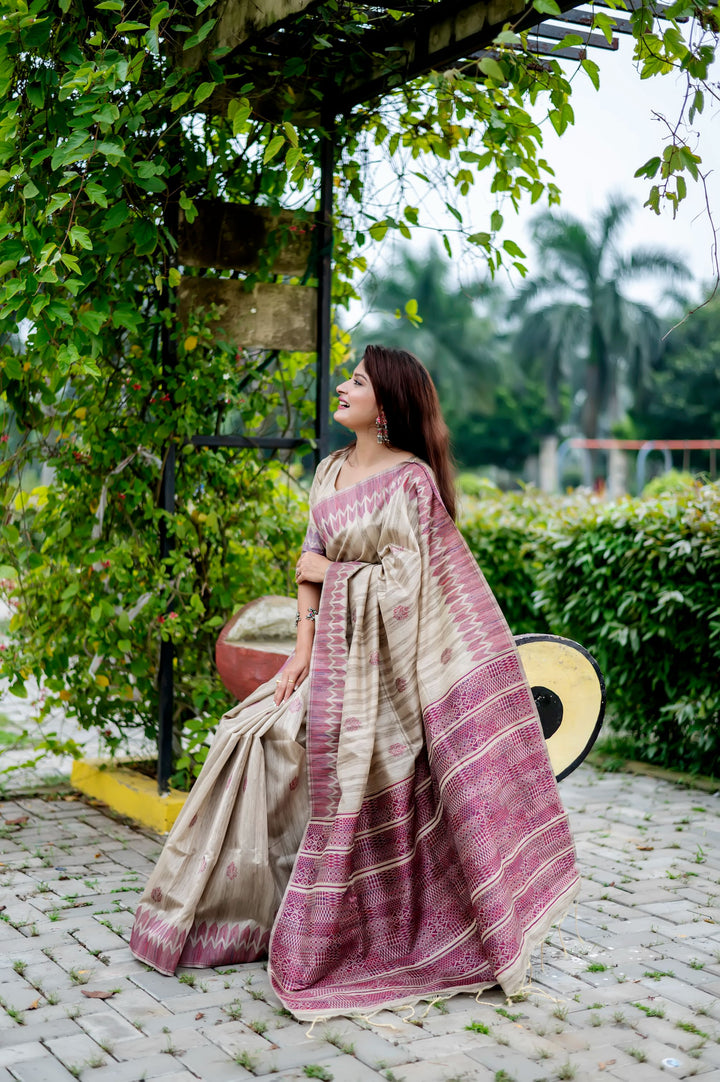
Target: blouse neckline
(373,476)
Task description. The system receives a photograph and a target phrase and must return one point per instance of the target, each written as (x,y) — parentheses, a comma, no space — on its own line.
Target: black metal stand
(324,289)
(324,225)
(167,650)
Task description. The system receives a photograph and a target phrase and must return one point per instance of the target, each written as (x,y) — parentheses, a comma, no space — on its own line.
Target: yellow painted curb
(128,793)
(705,782)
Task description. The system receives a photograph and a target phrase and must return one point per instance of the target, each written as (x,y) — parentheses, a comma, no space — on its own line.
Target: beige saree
(414,844)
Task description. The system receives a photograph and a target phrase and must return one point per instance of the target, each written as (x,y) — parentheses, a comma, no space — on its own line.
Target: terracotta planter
(255,643)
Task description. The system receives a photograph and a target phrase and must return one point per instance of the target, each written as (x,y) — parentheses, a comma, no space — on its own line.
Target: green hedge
(636,582)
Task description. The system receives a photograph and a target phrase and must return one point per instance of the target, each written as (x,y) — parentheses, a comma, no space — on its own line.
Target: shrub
(91,592)
(669,482)
(634,582)
(503,530)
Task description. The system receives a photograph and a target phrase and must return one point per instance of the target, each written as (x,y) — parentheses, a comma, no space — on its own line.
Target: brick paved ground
(630,990)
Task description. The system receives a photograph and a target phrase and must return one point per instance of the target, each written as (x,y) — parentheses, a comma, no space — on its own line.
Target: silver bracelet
(311,614)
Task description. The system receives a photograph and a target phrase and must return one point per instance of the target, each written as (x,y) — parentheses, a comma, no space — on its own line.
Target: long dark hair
(407,394)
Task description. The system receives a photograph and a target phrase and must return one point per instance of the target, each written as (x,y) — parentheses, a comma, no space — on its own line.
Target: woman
(417,847)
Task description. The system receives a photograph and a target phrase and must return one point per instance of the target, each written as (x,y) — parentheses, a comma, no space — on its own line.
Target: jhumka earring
(381,426)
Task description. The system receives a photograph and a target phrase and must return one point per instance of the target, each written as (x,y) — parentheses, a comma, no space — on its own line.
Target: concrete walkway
(630,990)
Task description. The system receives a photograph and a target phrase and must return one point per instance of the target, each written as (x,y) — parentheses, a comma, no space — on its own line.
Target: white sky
(614,133)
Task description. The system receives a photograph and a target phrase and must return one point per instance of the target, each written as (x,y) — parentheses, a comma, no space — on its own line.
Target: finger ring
(277,681)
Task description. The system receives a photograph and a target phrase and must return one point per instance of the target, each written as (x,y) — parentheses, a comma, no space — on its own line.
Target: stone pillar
(617,473)
(548,464)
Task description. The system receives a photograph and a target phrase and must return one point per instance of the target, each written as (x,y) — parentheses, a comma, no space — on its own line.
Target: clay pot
(255,643)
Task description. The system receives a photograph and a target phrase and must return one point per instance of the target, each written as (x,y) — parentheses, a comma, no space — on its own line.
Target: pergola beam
(430,36)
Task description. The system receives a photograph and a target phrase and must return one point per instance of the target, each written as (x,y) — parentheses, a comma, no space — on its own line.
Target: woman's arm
(311,568)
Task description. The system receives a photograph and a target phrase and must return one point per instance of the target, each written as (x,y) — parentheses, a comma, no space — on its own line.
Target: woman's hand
(311,567)
(292,676)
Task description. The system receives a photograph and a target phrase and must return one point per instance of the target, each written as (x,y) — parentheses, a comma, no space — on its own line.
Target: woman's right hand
(292,676)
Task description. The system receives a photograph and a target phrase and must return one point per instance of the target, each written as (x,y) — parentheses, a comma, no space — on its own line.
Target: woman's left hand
(311,567)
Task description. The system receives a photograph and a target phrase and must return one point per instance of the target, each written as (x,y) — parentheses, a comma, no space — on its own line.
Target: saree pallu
(393,831)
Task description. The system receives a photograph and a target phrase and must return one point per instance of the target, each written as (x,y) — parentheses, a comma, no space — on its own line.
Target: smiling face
(357,407)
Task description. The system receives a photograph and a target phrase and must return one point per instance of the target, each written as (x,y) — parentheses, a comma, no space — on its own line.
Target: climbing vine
(116,120)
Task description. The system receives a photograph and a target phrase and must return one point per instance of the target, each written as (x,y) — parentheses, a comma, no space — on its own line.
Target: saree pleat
(212,897)
(417,845)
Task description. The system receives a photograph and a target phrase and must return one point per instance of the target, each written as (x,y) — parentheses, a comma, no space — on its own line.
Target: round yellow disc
(564,668)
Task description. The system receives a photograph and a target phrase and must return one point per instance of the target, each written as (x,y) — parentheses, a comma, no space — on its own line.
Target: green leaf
(92,321)
(117,214)
(96,194)
(113,151)
(291,134)
(145,236)
(148,169)
(592,70)
(239,112)
(690,161)
(76,148)
(36,95)
(80,237)
(411,311)
(179,100)
(202,33)
(605,23)
(273,147)
(490,67)
(187,205)
(292,158)
(649,169)
(513,249)
(203,92)
(69,261)
(547,7)
(162,11)
(570,41)
(107,114)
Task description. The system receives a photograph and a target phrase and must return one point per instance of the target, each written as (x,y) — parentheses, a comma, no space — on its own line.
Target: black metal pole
(166,695)
(166,691)
(324,290)
(268,443)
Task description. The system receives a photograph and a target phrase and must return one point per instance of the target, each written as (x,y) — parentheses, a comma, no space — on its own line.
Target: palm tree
(576,321)
(494,411)
(458,336)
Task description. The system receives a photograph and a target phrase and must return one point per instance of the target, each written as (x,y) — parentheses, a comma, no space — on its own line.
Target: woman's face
(357,408)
